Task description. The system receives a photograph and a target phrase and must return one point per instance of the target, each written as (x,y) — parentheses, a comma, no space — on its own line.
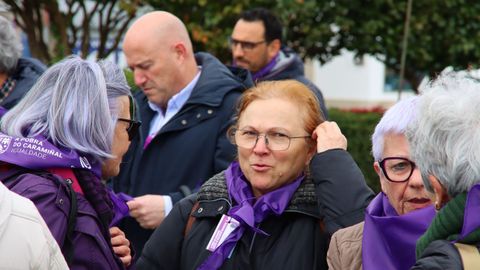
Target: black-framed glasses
(245,45)
(274,140)
(397,169)
(133,126)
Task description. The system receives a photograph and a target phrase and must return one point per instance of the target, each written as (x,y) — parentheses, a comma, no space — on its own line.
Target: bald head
(159,52)
(159,26)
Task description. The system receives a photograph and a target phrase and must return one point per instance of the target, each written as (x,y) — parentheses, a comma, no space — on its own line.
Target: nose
(139,77)
(237,50)
(415,180)
(261,145)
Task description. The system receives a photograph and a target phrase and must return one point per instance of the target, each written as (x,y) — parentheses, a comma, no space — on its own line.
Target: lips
(260,167)
(419,202)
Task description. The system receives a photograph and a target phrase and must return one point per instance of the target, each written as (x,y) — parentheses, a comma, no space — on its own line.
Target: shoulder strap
(191,219)
(72,220)
(470,256)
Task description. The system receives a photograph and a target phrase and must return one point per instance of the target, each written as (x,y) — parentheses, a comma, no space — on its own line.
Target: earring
(437,206)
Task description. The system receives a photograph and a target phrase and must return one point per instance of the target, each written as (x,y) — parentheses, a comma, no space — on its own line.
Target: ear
(180,51)
(273,48)
(441,196)
(312,149)
(378,170)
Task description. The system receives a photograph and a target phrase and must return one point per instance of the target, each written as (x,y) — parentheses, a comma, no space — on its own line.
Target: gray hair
(445,138)
(395,120)
(74,104)
(10,46)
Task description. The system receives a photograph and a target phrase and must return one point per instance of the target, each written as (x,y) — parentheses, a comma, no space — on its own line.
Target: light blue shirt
(173,106)
(160,119)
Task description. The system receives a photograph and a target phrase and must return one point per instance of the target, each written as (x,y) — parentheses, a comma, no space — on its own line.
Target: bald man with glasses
(256,44)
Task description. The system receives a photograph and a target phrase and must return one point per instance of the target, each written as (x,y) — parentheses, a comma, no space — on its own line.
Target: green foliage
(306,23)
(442,33)
(131,82)
(358,128)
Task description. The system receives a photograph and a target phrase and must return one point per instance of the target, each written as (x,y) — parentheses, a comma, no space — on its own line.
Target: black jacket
(26,74)
(190,148)
(439,255)
(297,238)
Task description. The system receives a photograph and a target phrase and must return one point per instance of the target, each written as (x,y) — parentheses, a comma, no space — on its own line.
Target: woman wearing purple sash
(71,130)
(263,211)
(445,142)
(399,214)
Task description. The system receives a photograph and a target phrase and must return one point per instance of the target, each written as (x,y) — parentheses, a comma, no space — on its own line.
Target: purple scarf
(266,69)
(471,222)
(247,214)
(389,239)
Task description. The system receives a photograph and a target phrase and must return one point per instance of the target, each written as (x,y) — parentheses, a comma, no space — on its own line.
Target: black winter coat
(298,239)
(439,255)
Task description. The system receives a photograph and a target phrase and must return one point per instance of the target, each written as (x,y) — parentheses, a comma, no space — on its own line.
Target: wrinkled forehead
(272,112)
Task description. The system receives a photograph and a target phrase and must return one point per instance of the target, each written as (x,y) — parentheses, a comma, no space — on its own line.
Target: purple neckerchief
(389,239)
(120,207)
(471,221)
(266,69)
(249,216)
(38,153)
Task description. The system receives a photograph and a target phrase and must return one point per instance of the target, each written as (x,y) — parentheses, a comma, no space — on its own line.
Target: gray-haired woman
(445,142)
(74,124)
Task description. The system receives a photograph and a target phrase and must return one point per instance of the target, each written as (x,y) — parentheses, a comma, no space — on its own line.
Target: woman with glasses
(398,215)
(69,132)
(262,212)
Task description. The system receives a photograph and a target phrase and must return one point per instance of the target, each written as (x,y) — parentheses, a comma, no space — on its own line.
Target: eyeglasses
(133,126)
(274,140)
(397,169)
(245,45)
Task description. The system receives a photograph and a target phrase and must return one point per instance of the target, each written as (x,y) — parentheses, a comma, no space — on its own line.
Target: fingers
(114,231)
(148,210)
(329,136)
(121,245)
(123,253)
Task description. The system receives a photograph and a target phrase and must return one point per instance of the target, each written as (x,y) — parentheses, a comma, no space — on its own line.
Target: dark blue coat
(190,148)
(25,75)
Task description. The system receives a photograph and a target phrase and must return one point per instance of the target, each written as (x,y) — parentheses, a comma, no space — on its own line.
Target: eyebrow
(274,129)
(143,63)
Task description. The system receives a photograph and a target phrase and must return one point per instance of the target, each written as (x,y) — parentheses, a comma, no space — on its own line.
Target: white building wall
(347,83)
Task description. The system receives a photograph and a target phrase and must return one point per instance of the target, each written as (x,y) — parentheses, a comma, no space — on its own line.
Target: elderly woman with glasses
(263,212)
(69,132)
(399,215)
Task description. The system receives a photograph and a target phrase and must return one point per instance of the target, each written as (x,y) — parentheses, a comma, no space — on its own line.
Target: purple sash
(38,153)
(389,239)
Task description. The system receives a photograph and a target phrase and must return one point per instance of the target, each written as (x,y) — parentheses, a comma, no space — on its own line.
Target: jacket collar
(304,200)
